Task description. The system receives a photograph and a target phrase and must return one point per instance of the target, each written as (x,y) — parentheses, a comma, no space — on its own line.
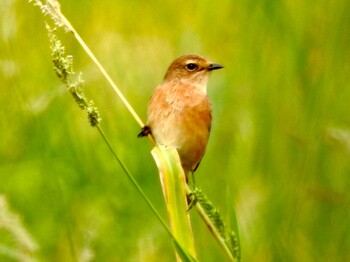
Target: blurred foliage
(280,140)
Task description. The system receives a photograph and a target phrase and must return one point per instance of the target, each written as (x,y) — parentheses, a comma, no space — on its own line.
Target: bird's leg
(191,198)
(191,201)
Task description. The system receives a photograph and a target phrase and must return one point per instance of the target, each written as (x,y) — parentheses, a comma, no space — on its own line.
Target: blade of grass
(182,244)
(173,184)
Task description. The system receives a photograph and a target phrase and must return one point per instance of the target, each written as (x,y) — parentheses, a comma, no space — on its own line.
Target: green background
(279,147)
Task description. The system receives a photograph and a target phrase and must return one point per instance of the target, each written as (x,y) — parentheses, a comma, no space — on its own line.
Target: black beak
(212,67)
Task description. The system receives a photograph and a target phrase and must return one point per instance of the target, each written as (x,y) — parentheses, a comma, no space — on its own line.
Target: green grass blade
(173,184)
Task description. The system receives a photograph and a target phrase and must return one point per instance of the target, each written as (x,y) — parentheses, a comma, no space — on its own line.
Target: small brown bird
(179,112)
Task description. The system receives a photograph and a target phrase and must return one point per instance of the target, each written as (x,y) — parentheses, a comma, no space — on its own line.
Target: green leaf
(173,184)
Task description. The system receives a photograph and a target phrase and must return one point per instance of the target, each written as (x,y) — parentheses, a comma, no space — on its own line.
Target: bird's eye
(191,66)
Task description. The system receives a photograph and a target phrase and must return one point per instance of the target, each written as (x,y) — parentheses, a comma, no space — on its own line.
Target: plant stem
(70,28)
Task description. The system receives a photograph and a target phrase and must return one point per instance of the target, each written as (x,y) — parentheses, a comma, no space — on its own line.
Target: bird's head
(191,69)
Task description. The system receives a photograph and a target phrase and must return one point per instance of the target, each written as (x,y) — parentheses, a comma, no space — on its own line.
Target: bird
(180,112)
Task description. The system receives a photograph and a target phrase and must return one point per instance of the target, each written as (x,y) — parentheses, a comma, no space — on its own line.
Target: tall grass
(279,143)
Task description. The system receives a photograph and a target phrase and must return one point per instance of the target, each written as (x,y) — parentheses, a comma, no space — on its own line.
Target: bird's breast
(180,117)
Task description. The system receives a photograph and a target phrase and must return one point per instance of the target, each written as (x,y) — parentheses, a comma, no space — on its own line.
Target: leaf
(173,184)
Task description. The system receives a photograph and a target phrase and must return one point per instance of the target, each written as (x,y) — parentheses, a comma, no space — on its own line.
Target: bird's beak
(212,67)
